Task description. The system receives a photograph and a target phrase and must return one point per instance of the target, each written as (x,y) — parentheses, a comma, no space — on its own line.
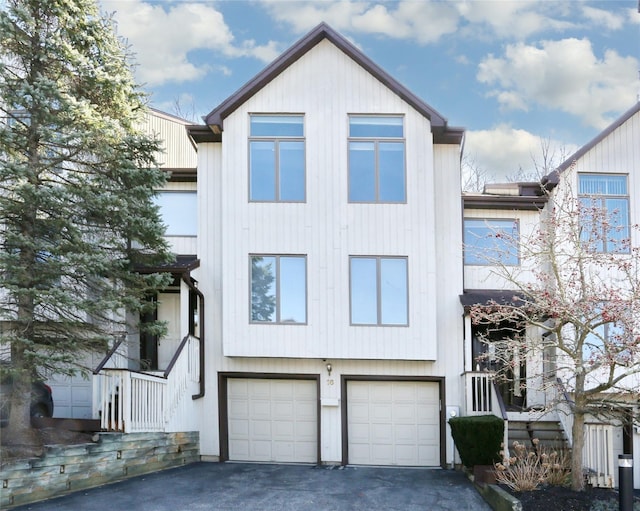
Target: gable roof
(215,119)
(604,134)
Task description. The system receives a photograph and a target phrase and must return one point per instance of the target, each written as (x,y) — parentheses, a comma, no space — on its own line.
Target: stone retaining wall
(115,456)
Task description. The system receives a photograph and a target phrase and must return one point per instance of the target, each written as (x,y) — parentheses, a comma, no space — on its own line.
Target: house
(496,224)
(325,258)
(328,255)
(74,397)
(331,265)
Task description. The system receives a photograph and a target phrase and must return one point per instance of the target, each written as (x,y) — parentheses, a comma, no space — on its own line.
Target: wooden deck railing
(132,401)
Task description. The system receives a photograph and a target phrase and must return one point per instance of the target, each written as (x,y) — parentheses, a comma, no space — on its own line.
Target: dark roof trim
(181,264)
(182,175)
(215,119)
(585,148)
(199,134)
(527,203)
(473,297)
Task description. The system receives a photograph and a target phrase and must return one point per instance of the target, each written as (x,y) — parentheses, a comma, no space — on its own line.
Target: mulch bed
(560,498)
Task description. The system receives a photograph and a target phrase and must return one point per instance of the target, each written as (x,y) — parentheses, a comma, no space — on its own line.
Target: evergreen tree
(77,179)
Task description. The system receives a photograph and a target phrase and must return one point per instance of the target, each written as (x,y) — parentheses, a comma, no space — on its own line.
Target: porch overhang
(512,298)
(181,264)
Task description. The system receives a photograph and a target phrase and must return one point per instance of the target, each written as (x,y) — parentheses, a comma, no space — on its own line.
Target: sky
(525,78)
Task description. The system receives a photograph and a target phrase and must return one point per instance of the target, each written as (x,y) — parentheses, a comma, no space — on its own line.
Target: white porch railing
(480,395)
(598,455)
(131,401)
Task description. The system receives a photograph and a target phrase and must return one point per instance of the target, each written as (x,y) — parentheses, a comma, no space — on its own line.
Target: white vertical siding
(177,151)
(327,228)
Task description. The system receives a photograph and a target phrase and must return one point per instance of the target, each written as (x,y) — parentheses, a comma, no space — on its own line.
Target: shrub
(526,469)
(478,439)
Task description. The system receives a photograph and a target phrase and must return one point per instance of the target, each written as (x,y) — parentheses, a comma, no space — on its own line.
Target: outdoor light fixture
(329,368)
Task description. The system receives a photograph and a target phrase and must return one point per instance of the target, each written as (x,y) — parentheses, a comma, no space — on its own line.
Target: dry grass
(526,470)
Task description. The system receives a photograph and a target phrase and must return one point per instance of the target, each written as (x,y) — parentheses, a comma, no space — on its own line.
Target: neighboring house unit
(74,396)
(325,234)
(605,172)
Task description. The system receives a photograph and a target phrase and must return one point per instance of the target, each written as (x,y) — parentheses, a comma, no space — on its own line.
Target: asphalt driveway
(246,487)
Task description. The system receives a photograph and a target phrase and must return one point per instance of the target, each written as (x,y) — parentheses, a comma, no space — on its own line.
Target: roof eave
(215,119)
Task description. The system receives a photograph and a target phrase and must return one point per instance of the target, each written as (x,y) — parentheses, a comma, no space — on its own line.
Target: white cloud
(563,75)
(516,20)
(162,36)
(503,151)
(407,19)
(601,17)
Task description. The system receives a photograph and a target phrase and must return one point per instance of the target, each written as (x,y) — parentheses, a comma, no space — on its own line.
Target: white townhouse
(605,171)
(319,311)
(329,243)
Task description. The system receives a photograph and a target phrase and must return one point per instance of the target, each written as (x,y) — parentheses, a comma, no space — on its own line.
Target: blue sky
(512,73)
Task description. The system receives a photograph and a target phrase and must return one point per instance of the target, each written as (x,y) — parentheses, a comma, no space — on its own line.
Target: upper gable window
(276,158)
(604,210)
(490,241)
(376,159)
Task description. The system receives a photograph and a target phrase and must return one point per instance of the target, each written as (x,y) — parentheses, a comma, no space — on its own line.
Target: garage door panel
(281,417)
(393,423)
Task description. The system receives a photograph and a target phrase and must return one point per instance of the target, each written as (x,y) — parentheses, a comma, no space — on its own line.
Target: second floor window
(376,159)
(179,212)
(490,241)
(278,289)
(604,210)
(276,158)
(379,291)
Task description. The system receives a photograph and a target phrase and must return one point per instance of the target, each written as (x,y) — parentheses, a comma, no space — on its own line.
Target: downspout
(186,278)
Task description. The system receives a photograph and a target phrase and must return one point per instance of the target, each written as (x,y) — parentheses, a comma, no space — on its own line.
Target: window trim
(277,140)
(376,141)
(602,198)
(278,320)
(378,323)
(488,263)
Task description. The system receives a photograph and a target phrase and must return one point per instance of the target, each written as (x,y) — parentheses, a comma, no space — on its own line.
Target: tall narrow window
(379,294)
(604,203)
(490,241)
(276,158)
(278,289)
(376,159)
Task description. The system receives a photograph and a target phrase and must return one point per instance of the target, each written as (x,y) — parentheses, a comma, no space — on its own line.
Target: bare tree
(578,286)
(474,177)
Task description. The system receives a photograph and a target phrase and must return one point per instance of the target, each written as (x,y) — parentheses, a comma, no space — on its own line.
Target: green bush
(478,439)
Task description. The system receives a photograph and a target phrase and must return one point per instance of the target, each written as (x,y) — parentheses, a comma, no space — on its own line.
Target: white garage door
(272,420)
(393,423)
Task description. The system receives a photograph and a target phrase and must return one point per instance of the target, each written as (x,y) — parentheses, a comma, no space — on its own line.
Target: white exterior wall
(177,152)
(617,153)
(327,228)
(325,85)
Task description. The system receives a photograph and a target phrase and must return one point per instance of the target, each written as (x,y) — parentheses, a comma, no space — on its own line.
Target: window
(379,291)
(607,339)
(278,289)
(376,159)
(276,158)
(604,208)
(491,241)
(179,212)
